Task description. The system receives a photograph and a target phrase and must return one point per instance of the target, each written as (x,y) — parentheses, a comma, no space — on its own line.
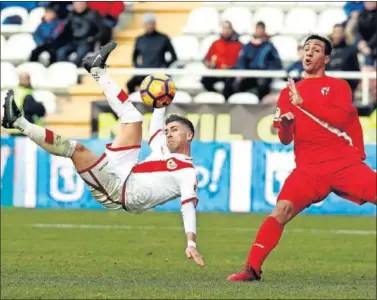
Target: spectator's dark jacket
(152,48)
(226,51)
(47,32)
(344,58)
(83,27)
(366,29)
(262,56)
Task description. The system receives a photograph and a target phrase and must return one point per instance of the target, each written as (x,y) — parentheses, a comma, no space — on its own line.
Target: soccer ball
(157,90)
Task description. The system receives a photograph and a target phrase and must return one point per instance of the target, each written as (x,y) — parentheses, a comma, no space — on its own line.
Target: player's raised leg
(130,133)
(53,143)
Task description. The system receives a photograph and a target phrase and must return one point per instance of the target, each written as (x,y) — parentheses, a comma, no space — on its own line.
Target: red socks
(267,238)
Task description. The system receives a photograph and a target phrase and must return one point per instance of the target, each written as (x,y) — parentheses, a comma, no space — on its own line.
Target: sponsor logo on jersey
(277,114)
(171,165)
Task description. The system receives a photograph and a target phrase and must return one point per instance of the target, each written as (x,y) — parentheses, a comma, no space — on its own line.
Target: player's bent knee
(284,211)
(82,158)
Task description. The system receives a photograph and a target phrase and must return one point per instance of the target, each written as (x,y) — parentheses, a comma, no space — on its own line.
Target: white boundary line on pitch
(142,227)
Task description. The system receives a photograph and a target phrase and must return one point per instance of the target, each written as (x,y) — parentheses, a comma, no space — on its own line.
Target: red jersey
(326,125)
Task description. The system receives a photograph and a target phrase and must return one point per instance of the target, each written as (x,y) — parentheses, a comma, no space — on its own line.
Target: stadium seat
(61,75)
(48,99)
(3,43)
(2,100)
(243,98)
(273,17)
(19,47)
(278,85)
(245,39)
(35,18)
(209,97)
(9,76)
(190,82)
(186,47)
(182,97)
(328,18)
(286,46)
(204,46)
(202,20)
(14,11)
(300,21)
(317,6)
(37,73)
(240,17)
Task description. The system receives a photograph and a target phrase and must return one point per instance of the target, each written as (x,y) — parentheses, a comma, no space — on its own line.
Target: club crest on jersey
(171,165)
(325,91)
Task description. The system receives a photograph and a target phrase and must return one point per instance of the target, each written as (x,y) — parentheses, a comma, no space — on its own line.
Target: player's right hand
(287,119)
(192,253)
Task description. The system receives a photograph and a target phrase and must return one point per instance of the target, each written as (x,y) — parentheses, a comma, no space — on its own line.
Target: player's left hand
(294,95)
(192,253)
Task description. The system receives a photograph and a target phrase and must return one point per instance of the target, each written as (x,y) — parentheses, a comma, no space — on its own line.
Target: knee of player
(283,211)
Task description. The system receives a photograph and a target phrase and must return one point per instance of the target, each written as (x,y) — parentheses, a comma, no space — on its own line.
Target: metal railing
(281,74)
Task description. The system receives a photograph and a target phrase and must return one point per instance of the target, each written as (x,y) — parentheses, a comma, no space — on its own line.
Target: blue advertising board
(239,176)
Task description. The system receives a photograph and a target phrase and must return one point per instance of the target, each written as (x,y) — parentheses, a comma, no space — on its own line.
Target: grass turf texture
(146,259)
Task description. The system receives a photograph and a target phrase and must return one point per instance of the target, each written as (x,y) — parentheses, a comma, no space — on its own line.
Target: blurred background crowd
(43,43)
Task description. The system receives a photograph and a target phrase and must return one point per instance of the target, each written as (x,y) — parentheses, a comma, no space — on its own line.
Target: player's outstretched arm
(156,129)
(189,221)
(189,201)
(337,110)
(283,119)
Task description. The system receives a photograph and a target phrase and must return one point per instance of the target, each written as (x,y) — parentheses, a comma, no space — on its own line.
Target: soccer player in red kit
(317,114)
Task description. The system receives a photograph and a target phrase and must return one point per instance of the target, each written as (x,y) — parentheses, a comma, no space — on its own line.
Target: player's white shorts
(106,177)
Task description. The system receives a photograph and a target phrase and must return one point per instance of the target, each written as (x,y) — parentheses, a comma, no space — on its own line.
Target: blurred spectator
(258,54)
(343,56)
(62,8)
(33,110)
(110,12)
(46,34)
(80,33)
(352,7)
(222,54)
(150,49)
(294,70)
(365,32)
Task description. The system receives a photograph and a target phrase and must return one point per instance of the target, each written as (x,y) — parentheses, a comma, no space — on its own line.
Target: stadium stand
(196,26)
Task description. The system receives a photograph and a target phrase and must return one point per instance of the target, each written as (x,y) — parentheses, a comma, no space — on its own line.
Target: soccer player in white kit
(116,179)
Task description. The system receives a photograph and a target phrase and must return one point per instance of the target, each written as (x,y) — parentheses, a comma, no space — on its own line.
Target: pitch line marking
(238,229)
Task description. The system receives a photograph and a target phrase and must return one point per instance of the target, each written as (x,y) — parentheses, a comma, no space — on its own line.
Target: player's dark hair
(328,45)
(182,120)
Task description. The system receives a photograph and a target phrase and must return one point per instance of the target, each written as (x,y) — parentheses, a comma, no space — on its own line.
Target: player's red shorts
(356,182)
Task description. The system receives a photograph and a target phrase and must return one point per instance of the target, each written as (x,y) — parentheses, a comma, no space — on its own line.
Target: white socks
(48,140)
(117,98)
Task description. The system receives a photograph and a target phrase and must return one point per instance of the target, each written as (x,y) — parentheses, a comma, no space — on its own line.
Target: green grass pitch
(104,254)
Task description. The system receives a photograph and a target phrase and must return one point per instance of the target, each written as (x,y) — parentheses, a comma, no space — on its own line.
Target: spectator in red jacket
(110,12)
(222,54)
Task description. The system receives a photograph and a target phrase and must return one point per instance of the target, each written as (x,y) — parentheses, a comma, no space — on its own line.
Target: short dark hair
(182,120)
(262,24)
(328,45)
